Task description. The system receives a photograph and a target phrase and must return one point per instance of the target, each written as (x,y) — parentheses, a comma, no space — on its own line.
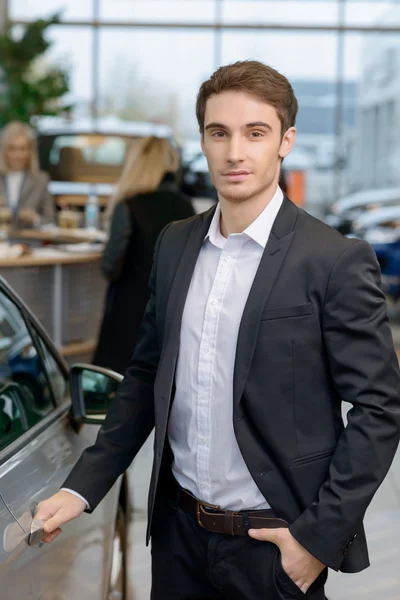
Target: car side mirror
(92,390)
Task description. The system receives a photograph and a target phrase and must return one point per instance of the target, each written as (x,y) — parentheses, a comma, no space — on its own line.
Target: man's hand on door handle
(57,510)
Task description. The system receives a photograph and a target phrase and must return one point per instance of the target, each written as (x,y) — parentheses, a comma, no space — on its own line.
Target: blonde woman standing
(23,187)
(146,200)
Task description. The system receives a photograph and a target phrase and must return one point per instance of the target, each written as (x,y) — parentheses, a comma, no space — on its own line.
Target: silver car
(48,416)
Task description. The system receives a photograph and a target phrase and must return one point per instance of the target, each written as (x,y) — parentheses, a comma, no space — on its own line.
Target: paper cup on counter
(68,219)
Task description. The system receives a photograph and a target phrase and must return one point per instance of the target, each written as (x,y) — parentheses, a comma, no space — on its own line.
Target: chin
(237,194)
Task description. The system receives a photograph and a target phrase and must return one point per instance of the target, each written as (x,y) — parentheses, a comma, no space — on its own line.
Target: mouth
(236,175)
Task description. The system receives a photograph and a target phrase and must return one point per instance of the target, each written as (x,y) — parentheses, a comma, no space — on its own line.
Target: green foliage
(28,85)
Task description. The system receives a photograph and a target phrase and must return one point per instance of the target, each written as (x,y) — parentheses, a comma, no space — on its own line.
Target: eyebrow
(247,126)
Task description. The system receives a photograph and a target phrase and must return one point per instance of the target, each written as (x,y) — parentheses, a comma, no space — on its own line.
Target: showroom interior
(89,80)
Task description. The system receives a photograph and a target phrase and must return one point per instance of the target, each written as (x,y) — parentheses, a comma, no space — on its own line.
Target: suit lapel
(3,186)
(179,291)
(23,200)
(271,262)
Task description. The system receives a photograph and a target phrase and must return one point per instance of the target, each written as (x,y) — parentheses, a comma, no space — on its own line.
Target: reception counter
(58,235)
(66,291)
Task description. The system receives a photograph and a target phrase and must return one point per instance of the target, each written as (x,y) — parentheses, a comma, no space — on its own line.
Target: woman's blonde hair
(146,164)
(10,132)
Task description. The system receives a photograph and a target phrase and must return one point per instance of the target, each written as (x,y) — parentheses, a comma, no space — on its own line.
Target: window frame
(61,407)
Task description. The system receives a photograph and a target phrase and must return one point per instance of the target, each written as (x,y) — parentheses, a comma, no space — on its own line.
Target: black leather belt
(216,520)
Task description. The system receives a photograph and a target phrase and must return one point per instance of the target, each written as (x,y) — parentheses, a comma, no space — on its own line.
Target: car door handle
(26,528)
(36,534)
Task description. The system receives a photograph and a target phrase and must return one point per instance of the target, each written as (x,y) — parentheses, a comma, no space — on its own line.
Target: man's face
(243,144)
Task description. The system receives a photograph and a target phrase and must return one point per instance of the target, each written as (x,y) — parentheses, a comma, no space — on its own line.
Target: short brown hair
(256,79)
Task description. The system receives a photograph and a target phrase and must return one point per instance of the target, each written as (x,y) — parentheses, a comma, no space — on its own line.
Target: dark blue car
(388,255)
(381,229)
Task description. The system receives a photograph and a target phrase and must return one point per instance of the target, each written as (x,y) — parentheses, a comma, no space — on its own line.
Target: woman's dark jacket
(126,263)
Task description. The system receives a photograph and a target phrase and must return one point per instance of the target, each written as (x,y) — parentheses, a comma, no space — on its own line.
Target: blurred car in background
(196,180)
(347,210)
(82,157)
(381,229)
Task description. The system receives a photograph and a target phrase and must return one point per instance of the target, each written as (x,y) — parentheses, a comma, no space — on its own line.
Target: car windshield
(91,158)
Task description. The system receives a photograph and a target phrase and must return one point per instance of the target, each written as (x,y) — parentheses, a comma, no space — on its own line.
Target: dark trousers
(191,563)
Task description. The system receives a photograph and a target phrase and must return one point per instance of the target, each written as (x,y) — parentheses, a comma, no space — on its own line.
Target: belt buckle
(199,504)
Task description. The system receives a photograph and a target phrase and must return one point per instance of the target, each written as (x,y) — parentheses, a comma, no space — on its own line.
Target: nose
(235,150)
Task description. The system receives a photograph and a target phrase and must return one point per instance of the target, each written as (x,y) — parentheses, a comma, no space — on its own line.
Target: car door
(37,456)
(15,580)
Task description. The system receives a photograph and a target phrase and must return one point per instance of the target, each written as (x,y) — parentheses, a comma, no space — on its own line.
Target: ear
(287,143)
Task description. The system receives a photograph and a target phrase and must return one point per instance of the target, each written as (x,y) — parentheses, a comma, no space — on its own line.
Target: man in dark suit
(261,321)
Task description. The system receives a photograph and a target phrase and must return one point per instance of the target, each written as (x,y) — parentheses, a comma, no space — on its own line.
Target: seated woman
(23,187)
(146,200)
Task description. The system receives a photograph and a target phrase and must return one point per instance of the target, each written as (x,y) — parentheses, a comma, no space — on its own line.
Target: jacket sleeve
(365,373)
(47,203)
(130,418)
(114,253)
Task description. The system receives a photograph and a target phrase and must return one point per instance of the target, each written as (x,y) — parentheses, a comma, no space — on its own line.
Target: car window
(25,396)
(11,422)
(87,157)
(58,382)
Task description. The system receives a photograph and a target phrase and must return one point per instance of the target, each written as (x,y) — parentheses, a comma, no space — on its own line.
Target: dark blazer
(127,261)
(314,333)
(35,195)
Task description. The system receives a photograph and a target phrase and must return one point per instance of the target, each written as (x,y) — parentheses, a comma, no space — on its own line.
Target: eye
(218,134)
(256,134)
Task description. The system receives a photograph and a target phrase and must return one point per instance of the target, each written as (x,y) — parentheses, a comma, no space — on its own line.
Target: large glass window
(346,82)
(373,14)
(373,155)
(160,11)
(72,48)
(283,12)
(158,78)
(70,9)
(25,397)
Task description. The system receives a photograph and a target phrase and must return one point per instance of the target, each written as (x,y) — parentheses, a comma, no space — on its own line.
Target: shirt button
(227,258)
(202,440)
(206,349)
(213,302)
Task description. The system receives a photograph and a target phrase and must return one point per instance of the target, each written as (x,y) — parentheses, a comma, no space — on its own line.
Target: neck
(236,217)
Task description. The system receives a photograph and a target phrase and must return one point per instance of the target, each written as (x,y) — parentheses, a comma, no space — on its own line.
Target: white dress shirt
(77,495)
(14,181)
(207,459)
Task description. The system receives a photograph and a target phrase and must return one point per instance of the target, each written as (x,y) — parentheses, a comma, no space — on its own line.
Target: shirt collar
(259,230)
(214,233)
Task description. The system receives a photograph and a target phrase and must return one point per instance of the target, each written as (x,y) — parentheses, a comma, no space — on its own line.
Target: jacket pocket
(309,458)
(285,312)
